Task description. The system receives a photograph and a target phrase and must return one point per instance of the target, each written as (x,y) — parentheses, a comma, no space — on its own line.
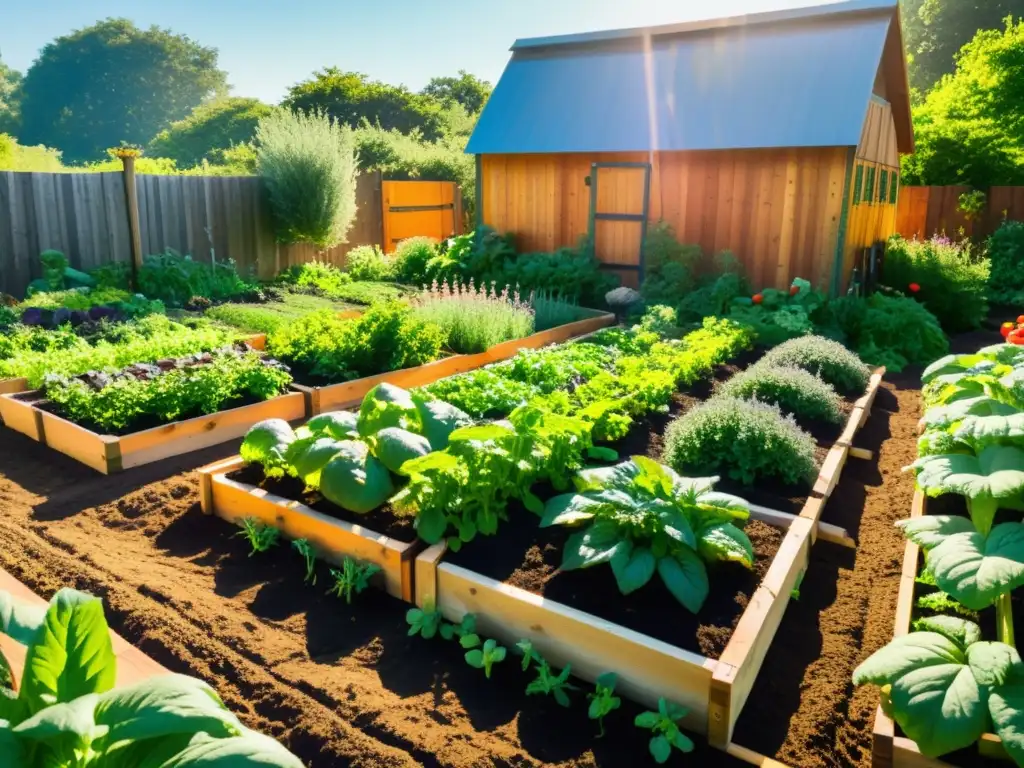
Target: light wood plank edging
(133,666)
(108,454)
(888,749)
(333,539)
(12,386)
(347,394)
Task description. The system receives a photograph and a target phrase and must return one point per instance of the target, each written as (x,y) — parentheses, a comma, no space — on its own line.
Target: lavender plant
(474,318)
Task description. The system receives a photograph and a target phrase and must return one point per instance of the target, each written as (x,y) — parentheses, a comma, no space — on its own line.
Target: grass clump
(794,390)
(823,357)
(264,318)
(745,440)
(474,319)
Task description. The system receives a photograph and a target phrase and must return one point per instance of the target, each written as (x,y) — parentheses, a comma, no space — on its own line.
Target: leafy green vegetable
(395,446)
(354,479)
(353,578)
(260,537)
(341,425)
(825,358)
(603,701)
(439,420)
(387,406)
(486,656)
(642,518)
(265,443)
(424,622)
(945,683)
(664,724)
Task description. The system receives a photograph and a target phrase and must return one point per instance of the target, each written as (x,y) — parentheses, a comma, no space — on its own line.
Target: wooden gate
(420,208)
(619,200)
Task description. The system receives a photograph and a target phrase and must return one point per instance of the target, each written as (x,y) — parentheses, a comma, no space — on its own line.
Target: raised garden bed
(890,749)
(335,397)
(713,689)
(26,413)
(235,500)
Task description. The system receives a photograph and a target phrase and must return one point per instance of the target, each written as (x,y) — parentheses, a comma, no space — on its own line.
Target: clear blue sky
(267,45)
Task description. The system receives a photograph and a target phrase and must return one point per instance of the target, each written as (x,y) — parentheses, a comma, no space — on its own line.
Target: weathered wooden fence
(85,215)
(926,211)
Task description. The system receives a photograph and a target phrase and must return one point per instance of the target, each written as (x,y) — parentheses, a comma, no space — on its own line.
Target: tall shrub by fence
(85,215)
(924,211)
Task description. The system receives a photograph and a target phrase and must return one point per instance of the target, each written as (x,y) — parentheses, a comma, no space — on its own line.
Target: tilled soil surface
(345,686)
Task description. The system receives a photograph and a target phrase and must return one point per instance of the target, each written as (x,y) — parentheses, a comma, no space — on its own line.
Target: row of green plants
(972,447)
(65,709)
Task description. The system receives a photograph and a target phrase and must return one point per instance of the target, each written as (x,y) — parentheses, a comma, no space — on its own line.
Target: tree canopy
(466,89)
(353,98)
(969,128)
(935,30)
(10,97)
(209,130)
(114,82)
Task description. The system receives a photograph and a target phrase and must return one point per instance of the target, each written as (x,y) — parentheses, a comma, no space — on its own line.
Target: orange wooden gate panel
(420,209)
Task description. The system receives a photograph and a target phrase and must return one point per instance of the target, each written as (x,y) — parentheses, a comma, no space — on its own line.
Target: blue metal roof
(787,79)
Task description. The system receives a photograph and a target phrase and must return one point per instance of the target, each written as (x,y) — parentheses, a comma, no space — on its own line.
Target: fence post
(131,199)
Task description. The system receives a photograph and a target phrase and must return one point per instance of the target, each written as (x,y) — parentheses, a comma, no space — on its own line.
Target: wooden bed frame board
(713,691)
(347,394)
(888,749)
(12,386)
(133,666)
(333,539)
(109,454)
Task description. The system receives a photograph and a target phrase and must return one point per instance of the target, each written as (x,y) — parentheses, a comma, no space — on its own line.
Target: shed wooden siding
(878,139)
(778,210)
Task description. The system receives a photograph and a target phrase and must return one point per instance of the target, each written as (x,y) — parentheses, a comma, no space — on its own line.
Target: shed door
(619,198)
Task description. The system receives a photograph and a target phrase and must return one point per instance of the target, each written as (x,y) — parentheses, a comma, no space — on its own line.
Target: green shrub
(551,310)
(1006,254)
(474,319)
(825,358)
(953,280)
(368,262)
(780,315)
(307,163)
(317,275)
(76,299)
(669,266)
(794,390)
(412,259)
(888,330)
(385,338)
(660,319)
(746,440)
(174,279)
(368,292)
(723,283)
(266,317)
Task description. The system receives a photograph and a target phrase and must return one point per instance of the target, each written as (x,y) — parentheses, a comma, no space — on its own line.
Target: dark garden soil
(345,686)
(382,520)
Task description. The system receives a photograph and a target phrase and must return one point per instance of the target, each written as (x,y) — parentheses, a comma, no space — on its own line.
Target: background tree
(353,98)
(466,89)
(970,127)
(209,130)
(114,82)
(935,30)
(10,97)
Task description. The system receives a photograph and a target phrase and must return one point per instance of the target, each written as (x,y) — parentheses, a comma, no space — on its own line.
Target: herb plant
(304,548)
(825,358)
(603,701)
(473,319)
(642,518)
(546,681)
(352,579)
(486,656)
(664,724)
(260,537)
(794,390)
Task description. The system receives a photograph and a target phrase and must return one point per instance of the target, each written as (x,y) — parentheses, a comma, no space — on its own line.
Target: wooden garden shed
(776,136)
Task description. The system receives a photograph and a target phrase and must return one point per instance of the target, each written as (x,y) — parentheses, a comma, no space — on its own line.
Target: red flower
(914,287)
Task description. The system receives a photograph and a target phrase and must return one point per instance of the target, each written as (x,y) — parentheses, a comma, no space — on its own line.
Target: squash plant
(642,518)
(66,713)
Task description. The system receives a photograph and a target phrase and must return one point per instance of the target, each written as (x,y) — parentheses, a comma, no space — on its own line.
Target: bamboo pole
(131,198)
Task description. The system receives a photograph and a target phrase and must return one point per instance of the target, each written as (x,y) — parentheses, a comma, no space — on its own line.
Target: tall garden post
(131,197)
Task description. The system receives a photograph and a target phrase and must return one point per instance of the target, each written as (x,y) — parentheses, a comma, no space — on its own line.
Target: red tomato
(1015,339)
(794,290)
(1006,328)
(1020,320)
(914,287)
(757,298)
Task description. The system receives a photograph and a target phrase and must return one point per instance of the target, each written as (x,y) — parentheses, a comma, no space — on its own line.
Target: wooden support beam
(861,453)
(826,531)
(752,757)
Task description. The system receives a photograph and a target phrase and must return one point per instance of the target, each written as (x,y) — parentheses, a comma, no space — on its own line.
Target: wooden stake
(752,757)
(861,453)
(826,531)
(131,199)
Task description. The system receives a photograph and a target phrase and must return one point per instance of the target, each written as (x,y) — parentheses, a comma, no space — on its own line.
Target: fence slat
(925,211)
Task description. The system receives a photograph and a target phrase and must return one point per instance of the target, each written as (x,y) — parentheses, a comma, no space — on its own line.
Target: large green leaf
(67,725)
(439,420)
(387,406)
(396,446)
(962,632)
(995,473)
(71,655)
(931,530)
(943,416)
(907,653)
(161,706)
(991,663)
(981,431)
(248,750)
(686,578)
(724,541)
(569,509)
(633,568)
(308,456)
(596,545)
(355,480)
(341,425)
(976,569)
(19,620)
(266,442)
(941,707)
(1006,708)
(677,527)
(431,525)
(10,747)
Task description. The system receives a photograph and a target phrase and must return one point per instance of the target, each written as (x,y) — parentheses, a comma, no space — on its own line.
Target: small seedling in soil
(464,629)
(602,700)
(795,594)
(303,547)
(546,681)
(423,622)
(664,725)
(353,578)
(483,658)
(260,537)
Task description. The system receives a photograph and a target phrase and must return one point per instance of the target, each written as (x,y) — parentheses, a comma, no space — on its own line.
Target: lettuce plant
(944,686)
(66,712)
(642,518)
